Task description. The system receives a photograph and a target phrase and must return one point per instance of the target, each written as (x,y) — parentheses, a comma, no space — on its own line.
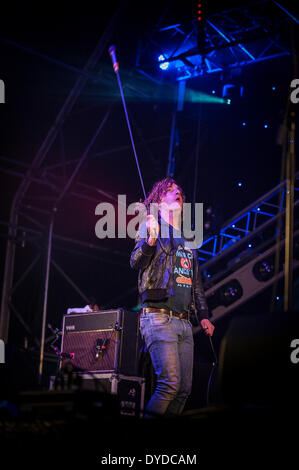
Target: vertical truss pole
(46,289)
(290,183)
(8,274)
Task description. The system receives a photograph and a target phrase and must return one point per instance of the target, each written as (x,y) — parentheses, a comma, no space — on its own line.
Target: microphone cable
(214,365)
(116,70)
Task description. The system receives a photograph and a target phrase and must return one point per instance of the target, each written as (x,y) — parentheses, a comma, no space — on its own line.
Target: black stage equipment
(256,360)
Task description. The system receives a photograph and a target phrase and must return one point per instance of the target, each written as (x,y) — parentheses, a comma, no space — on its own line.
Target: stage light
(273,88)
(199,11)
(264,270)
(200,97)
(231,91)
(213,92)
(265,126)
(277,297)
(296,247)
(239,184)
(225,295)
(249,245)
(243,123)
(165,65)
(230,293)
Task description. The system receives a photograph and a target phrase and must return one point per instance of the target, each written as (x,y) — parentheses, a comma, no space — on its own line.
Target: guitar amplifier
(103,341)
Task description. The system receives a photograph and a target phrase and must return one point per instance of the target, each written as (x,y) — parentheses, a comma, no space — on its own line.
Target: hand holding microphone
(153,229)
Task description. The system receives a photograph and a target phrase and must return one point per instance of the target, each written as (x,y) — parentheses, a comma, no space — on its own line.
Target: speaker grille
(84,347)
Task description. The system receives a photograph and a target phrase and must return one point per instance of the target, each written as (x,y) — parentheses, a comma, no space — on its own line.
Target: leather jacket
(155,266)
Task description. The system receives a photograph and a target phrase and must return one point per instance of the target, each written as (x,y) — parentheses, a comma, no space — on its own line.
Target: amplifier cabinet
(103,341)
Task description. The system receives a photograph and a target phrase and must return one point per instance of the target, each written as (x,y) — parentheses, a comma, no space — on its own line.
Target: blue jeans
(169,341)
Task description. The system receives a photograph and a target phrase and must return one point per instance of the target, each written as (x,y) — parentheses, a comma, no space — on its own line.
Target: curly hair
(160,189)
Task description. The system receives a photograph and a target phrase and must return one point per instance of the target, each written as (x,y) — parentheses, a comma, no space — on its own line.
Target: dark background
(36,88)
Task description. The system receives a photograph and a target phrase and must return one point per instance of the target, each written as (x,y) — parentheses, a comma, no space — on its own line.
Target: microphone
(113,58)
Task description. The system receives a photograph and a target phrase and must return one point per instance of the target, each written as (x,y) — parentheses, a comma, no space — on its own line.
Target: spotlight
(164,65)
(232,91)
(243,123)
(239,184)
(199,11)
(264,270)
(213,92)
(265,126)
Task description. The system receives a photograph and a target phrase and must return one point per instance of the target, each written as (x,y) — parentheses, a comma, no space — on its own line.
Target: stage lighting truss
(226,40)
(264,270)
(240,262)
(226,295)
(250,228)
(247,281)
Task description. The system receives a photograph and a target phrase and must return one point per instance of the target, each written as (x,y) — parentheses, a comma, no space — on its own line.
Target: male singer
(169,285)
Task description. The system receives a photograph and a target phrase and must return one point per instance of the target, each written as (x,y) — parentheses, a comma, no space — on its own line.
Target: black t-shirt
(182,281)
(182,276)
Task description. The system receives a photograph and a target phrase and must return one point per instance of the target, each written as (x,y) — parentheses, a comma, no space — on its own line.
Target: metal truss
(249,254)
(231,39)
(246,281)
(245,226)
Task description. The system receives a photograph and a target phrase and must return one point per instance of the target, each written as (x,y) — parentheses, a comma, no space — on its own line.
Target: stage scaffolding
(32,220)
(40,215)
